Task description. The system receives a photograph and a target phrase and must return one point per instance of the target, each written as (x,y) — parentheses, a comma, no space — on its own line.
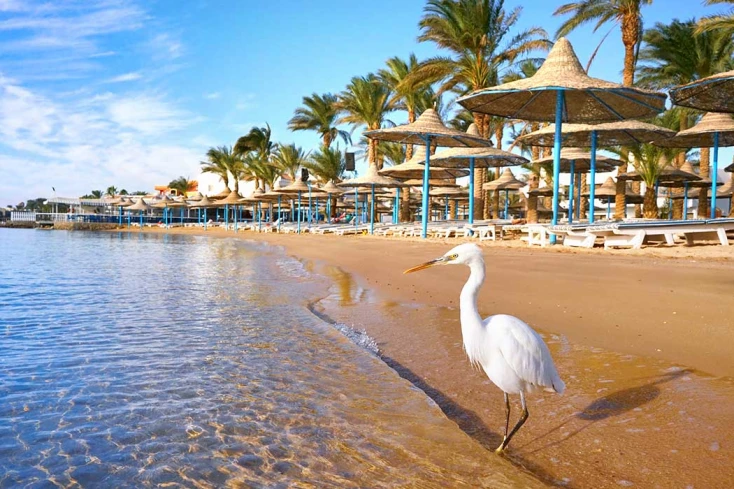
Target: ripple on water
(134,360)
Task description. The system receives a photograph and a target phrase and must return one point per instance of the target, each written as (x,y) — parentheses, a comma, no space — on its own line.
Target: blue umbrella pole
(317,210)
(592,188)
(609,208)
(226,216)
(141,219)
(446,210)
(119,222)
(279,197)
(372,211)
(714,175)
(578,196)
(426,175)
(309,205)
(356,206)
(570,194)
(205,212)
(507,202)
(557,158)
(236,218)
(299,212)
(182,215)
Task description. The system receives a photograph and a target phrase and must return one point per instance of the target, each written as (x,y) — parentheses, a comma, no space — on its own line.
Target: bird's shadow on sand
(609,406)
(469,422)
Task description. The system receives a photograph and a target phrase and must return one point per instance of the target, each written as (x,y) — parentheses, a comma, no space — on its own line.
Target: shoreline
(624,401)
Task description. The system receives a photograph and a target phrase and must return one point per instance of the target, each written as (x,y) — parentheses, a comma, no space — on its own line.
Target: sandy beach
(642,340)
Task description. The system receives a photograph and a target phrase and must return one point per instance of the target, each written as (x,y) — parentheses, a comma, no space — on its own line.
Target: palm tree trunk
(679,160)
(327,140)
(531,212)
(496,204)
(636,188)
(405,204)
(619,196)
(630,36)
(703,196)
(650,203)
(409,147)
(585,204)
(372,154)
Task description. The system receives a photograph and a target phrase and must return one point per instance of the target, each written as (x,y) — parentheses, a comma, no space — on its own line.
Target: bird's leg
(507,413)
(519,424)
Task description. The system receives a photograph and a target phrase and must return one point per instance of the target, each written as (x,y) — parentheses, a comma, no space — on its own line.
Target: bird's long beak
(427,264)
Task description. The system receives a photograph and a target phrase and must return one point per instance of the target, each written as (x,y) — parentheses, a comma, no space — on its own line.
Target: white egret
(512,354)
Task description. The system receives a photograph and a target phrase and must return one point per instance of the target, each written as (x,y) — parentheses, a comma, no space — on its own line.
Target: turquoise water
(129,360)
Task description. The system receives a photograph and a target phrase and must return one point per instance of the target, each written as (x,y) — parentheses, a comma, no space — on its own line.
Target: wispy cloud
(247,101)
(166,47)
(212,95)
(132,76)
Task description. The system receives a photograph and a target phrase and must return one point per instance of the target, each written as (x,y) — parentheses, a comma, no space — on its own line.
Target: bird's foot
(500,449)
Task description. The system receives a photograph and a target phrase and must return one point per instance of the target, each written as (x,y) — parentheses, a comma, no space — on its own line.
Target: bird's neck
(471,321)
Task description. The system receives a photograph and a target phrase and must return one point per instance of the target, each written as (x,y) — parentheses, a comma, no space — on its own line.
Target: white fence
(23,216)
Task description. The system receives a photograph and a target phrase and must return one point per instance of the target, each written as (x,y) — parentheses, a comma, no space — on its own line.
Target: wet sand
(642,341)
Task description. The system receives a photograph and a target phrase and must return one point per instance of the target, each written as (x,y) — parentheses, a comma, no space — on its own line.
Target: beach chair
(573,235)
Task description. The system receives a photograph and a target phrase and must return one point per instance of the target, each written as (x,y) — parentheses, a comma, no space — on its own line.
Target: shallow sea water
(129,360)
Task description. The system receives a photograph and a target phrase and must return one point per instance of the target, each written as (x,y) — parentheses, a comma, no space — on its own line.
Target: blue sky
(96,93)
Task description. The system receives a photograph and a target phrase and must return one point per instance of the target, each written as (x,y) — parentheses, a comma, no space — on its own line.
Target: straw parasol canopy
(702,134)
(607,191)
(687,167)
(582,161)
(669,174)
(431,183)
(449,192)
(203,203)
(371,178)
(140,205)
(196,197)
(331,189)
(232,199)
(715,93)
(221,195)
(541,192)
(293,189)
(427,125)
(506,181)
(586,99)
(620,133)
(725,191)
(415,168)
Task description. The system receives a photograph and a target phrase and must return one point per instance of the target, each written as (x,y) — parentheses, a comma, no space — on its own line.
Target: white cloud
(212,95)
(166,47)
(132,76)
(246,102)
(94,141)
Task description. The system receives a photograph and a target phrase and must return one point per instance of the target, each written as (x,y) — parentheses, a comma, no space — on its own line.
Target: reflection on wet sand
(624,421)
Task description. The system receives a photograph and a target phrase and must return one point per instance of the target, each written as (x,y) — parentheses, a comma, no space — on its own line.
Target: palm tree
(96,194)
(366,102)
(218,163)
(319,113)
(409,93)
(327,164)
(393,153)
(479,35)
(123,192)
(111,191)
(182,185)
(723,22)
(626,13)
(257,140)
(673,54)
(289,159)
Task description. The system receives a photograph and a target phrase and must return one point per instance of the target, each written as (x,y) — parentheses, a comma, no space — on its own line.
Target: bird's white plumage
(511,353)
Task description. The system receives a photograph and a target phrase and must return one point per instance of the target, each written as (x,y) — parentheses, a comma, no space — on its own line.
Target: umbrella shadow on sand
(611,405)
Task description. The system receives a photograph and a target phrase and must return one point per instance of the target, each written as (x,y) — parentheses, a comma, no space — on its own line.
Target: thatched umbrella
(561,91)
(620,133)
(712,94)
(608,191)
(233,198)
(297,188)
(713,130)
(371,179)
(415,168)
(506,182)
(541,192)
(687,167)
(472,158)
(426,130)
(573,160)
(141,206)
(196,197)
(331,190)
(450,193)
(205,204)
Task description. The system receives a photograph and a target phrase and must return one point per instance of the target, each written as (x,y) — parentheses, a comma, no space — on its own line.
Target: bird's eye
(454,256)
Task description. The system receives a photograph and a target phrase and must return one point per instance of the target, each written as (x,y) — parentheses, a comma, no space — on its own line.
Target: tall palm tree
(96,194)
(327,164)
(482,40)
(409,93)
(319,113)
(111,191)
(289,159)
(626,13)
(366,102)
(673,54)
(182,185)
(257,140)
(216,163)
(723,22)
